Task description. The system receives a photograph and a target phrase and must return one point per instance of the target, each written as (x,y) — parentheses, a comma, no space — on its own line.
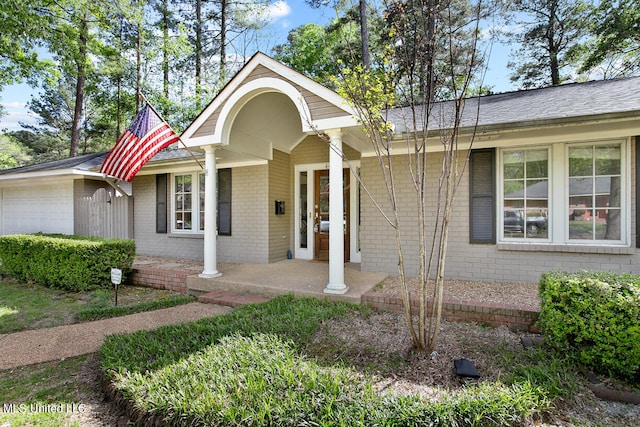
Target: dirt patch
(513,293)
(96,411)
(381,344)
(132,295)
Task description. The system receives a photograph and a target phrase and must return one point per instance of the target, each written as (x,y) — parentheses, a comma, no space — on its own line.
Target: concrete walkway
(48,344)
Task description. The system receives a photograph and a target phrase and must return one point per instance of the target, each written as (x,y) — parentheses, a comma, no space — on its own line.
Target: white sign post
(116,279)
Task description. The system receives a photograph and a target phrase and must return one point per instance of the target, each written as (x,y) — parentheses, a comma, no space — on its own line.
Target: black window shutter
(161,203)
(482,196)
(224,202)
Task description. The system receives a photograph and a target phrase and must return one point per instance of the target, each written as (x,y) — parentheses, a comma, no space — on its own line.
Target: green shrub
(64,262)
(262,381)
(595,316)
(246,368)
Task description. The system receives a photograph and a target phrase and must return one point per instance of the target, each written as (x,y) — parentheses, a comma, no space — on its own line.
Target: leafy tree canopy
(614,50)
(22,25)
(12,153)
(545,31)
(310,49)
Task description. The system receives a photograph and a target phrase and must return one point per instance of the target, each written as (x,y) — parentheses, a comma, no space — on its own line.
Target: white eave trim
(52,173)
(308,84)
(527,133)
(336,122)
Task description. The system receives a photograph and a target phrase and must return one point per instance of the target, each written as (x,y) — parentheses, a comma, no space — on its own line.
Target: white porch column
(211,206)
(336,211)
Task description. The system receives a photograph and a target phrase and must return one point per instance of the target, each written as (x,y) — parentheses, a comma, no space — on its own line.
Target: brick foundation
(230,299)
(160,278)
(517,318)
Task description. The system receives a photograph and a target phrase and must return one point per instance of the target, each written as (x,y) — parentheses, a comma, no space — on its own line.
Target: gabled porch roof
(268,106)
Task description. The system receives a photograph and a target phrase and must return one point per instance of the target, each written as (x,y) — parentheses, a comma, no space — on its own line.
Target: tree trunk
(119,106)
(552,45)
(119,85)
(80,82)
(364,34)
(426,89)
(223,40)
(165,56)
(198,54)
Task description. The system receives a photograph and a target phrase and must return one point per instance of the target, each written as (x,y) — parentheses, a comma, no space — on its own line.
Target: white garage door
(46,209)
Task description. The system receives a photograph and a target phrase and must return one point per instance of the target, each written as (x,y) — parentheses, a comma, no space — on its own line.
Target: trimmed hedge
(122,310)
(595,316)
(65,262)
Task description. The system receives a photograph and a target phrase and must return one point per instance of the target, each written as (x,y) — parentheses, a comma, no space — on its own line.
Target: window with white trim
(201,201)
(595,199)
(183,200)
(188,203)
(525,207)
(563,194)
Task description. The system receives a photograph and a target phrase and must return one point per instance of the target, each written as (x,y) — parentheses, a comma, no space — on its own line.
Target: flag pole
(179,139)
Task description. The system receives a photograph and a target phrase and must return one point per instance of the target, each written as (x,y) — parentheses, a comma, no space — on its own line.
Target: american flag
(147,135)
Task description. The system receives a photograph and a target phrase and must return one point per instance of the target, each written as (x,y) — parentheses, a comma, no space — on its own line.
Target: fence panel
(103,215)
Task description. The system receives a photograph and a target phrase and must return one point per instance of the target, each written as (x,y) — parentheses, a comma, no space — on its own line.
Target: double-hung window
(183,201)
(188,202)
(563,194)
(595,192)
(525,207)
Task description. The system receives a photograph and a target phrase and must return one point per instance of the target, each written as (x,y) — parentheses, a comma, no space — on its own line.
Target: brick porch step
(230,299)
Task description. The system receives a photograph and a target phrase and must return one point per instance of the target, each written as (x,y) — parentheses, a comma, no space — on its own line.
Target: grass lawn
(25,392)
(29,306)
(255,366)
(61,393)
(287,362)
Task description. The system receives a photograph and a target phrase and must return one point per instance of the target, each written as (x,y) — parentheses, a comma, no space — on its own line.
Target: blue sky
(284,15)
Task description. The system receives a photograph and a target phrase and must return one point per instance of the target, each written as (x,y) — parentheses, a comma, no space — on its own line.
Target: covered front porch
(290,129)
(296,277)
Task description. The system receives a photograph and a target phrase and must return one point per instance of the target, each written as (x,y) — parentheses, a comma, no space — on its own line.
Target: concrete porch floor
(297,277)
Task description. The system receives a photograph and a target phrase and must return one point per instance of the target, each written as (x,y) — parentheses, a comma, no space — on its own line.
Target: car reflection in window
(515,223)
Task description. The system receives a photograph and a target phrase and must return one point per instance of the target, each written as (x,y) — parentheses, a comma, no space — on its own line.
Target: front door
(321,215)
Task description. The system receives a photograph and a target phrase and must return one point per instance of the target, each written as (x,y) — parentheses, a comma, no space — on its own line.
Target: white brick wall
(464,260)
(148,242)
(257,232)
(248,242)
(280,226)
(249,227)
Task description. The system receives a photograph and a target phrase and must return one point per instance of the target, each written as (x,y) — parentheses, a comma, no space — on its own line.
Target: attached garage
(44,198)
(42,208)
